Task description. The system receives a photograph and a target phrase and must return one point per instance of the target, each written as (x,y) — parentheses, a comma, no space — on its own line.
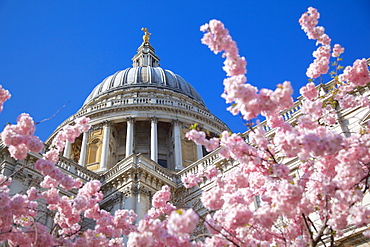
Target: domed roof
(145,77)
(145,73)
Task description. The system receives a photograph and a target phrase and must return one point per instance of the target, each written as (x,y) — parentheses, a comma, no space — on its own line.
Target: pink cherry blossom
(212,199)
(251,198)
(309,91)
(182,221)
(4,96)
(337,50)
(190,180)
(161,197)
(358,74)
(20,138)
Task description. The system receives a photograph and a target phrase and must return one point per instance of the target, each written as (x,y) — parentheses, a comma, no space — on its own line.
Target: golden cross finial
(146,35)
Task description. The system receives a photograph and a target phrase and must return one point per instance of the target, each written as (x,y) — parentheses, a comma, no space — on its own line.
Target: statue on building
(146,35)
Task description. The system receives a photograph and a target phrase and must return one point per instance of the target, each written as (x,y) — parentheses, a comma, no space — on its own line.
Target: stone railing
(163,172)
(2,145)
(117,103)
(138,160)
(202,164)
(76,169)
(125,163)
(292,111)
(166,173)
(66,165)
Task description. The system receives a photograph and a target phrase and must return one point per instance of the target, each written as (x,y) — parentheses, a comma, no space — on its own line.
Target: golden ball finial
(146,35)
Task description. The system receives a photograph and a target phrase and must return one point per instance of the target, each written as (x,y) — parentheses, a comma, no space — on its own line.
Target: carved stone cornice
(208,118)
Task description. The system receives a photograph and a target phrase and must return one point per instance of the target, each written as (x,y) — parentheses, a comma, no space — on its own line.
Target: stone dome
(142,110)
(144,77)
(145,73)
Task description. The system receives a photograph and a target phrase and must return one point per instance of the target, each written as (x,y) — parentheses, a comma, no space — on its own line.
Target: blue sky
(54,52)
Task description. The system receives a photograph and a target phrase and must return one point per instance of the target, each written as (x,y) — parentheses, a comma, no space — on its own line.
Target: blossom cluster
(247,100)
(353,76)
(46,166)
(199,137)
(18,223)
(297,187)
(261,201)
(20,137)
(320,65)
(174,230)
(357,75)
(337,50)
(4,95)
(191,180)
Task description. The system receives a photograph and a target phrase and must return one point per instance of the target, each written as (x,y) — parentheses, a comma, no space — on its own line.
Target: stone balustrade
(125,163)
(137,160)
(118,103)
(166,173)
(65,164)
(76,169)
(201,164)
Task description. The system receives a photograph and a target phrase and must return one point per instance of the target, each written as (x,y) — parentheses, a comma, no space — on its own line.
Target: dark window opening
(163,163)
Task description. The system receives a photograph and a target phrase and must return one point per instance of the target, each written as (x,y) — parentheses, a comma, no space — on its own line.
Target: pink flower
(348,101)
(324,40)
(312,108)
(182,222)
(25,124)
(337,50)
(136,239)
(18,152)
(309,91)
(35,144)
(4,180)
(358,74)
(91,187)
(320,65)
(4,96)
(52,155)
(329,115)
(20,138)
(199,137)
(49,182)
(123,219)
(44,166)
(190,180)
(162,197)
(51,196)
(308,21)
(212,199)
(211,172)
(238,216)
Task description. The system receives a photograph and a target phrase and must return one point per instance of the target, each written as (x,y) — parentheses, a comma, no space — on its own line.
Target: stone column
(85,138)
(67,150)
(199,151)
(130,136)
(177,143)
(105,147)
(154,139)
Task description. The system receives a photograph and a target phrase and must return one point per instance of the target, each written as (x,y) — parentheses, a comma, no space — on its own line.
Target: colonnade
(130,143)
